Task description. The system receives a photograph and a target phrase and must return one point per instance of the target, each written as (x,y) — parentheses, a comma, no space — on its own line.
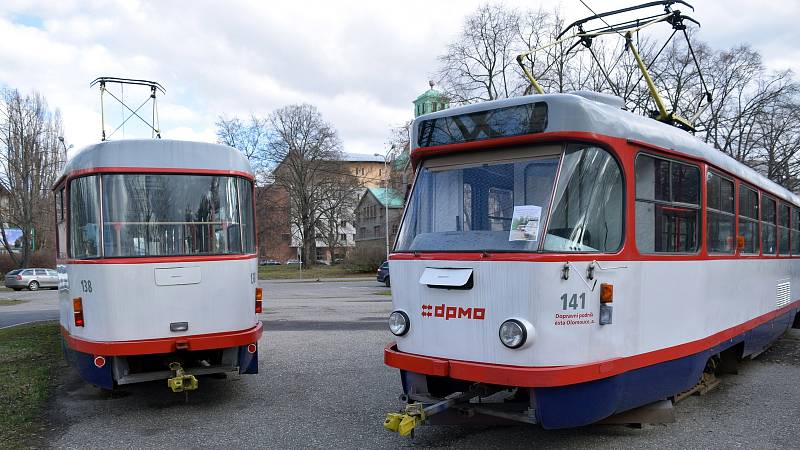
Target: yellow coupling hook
(404,423)
(181,381)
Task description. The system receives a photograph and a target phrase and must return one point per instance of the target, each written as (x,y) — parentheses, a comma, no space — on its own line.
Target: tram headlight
(513,333)
(399,323)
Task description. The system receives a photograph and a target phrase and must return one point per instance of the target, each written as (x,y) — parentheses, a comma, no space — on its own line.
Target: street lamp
(61,139)
(385,195)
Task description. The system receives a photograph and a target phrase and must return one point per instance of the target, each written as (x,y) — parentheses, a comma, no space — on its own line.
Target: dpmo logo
(453,312)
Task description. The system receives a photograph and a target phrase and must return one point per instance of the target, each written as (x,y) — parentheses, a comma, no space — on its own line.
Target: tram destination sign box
(517,120)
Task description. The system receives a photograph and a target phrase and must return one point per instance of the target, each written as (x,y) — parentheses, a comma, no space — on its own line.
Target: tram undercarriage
(641,396)
(482,404)
(180,368)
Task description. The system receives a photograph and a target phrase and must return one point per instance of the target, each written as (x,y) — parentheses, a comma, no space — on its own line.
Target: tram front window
(461,204)
(165,215)
(161,215)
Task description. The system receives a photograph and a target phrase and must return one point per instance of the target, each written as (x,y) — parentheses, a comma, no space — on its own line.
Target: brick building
(370,223)
(277,239)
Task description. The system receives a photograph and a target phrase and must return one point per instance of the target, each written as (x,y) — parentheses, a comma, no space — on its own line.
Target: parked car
(323,262)
(269,262)
(32,279)
(383,274)
(293,261)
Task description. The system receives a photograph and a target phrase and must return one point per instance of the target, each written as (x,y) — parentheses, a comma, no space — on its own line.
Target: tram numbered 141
(562,260)
(157,262)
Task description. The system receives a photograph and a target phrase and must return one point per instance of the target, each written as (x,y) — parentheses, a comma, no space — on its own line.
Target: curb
(316,280)
(28,323)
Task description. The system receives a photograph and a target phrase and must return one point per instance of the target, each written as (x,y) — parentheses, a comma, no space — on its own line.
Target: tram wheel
(33,285)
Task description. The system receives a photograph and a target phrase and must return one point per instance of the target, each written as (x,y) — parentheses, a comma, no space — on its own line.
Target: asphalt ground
(33,306)
(322,383)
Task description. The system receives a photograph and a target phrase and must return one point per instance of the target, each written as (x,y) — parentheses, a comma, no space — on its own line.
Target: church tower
(430,101)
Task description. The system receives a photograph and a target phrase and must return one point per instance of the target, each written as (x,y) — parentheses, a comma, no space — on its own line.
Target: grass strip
(29,355)
(292,271)
(11,302)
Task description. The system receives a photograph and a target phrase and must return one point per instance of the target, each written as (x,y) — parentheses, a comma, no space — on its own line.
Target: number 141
(573,301)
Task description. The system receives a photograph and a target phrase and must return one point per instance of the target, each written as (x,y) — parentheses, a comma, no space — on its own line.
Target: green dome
(430,101)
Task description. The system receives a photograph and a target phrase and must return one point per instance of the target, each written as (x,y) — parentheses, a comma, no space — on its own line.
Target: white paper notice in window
(525,223)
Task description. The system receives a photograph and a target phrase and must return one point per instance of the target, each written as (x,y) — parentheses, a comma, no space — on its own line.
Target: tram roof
(158,154)
(599,113)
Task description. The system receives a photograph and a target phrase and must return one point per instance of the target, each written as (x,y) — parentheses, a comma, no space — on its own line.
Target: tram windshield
(161,215)
(505,204)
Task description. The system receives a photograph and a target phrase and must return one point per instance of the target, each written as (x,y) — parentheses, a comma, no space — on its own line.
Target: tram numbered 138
(157,262)
(561,260)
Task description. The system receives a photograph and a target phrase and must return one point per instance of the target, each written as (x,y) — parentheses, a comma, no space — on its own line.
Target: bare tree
(308,157)
(30,162)
(338,210)
(478,66)
(778,136)
(250,138)
(753,115)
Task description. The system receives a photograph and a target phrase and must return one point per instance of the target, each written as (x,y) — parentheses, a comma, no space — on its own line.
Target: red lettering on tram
(453,312)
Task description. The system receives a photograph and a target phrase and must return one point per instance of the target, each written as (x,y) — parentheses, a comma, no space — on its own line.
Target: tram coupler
(404,423)
(181,382)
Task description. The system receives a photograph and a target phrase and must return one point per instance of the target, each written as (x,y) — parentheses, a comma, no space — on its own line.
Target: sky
(360,63)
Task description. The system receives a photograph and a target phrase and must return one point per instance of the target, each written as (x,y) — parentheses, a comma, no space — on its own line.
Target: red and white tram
(157,262)
(588,259)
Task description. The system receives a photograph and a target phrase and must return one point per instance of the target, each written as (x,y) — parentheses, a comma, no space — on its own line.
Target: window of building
(362,232)
(795,232)
(748,219)
(343,237)
(720,214)
(501,207)
(667,205)
(769,244)
(783,229)
(376,230)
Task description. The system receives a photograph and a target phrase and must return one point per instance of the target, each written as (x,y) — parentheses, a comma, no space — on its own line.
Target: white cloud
(360,63)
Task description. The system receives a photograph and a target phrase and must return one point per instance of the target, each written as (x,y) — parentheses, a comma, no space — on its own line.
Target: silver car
(32,279)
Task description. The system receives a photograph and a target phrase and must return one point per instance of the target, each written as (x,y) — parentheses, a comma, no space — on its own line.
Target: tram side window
(248,221)
(769,244)
(783,229)
(61,224)
(748,219)
(795,232)
(720,214)
(85,217)
(588,205)
(667,205)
